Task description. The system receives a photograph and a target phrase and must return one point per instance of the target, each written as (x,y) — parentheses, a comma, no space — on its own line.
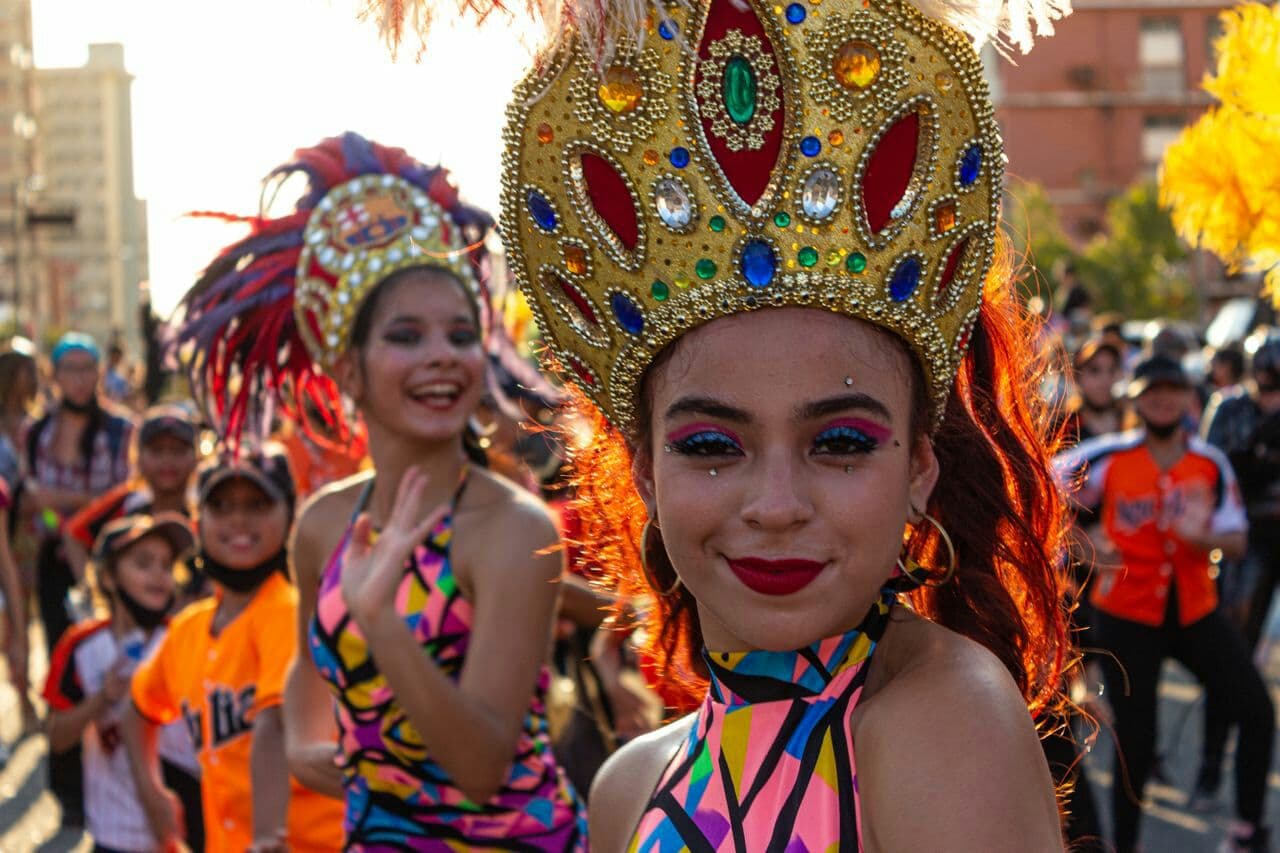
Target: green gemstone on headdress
(740,90)
(716,223)
(659,291)
(856,263)
(705,268)
(782,219)
(808,256)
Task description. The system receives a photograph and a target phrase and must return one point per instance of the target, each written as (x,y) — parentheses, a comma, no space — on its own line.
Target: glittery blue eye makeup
(704,440)
(849,437)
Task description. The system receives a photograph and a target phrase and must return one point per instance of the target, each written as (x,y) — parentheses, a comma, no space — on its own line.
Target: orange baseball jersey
(1139,506)
(218,684)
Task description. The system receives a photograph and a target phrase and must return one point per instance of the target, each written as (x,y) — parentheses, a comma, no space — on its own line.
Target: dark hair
(12,365)
(1233,358)
(362,328)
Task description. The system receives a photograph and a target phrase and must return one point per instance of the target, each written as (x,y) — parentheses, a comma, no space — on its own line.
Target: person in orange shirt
(222,666)
(1164,500)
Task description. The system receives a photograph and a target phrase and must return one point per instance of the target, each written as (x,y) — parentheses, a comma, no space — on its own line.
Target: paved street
(29,818)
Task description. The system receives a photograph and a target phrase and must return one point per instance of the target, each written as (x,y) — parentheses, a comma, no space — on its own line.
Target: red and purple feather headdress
(272,310)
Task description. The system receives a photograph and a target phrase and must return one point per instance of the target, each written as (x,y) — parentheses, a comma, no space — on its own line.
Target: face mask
(80,408)
(1162,430)
(146,618)
(242,580)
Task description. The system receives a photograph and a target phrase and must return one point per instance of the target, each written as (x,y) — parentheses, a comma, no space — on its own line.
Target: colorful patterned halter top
(768,766)
(397,797)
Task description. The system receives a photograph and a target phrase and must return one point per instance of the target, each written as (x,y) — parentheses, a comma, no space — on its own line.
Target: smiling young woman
(427,587)
(757,238)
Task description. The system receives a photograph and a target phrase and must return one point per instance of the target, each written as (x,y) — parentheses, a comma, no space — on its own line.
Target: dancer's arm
(470,726)
(309,738)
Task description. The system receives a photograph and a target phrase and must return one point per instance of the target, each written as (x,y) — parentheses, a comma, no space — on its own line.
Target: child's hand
(115,685)
(164,814)
(372,570)
(1193,523)
(274,844)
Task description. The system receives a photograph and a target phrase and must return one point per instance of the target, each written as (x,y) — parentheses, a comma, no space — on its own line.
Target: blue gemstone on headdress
(627,313)
(679,157)
(541,211)
(970,165)
(759,263)
(795,13)
(904,279)
(810,146)
(667,29)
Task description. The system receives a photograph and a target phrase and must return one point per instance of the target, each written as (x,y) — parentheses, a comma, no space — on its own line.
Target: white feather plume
(603,24)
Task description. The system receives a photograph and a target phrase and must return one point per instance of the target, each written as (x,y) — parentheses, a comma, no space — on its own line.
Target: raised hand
(372,570)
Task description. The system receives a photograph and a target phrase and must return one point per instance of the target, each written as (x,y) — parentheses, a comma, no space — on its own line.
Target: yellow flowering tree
(1221,178)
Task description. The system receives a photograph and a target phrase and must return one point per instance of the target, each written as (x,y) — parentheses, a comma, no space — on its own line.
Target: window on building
(1158,132)
(1161,56)
(1212,32)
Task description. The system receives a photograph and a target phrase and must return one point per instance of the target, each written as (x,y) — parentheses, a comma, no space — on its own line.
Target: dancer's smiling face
(784,452)
(416,363)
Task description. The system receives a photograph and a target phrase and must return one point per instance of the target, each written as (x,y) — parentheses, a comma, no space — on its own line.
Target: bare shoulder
(498,521)
(946,725)
(323,520)
(627,780)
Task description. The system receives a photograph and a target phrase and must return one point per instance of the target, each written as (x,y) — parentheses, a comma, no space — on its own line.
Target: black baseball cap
(167,420)
(1157,370)
(123,532)
(1091,349)
(267,468)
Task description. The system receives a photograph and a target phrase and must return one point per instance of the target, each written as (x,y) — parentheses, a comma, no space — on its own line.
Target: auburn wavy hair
(996,495)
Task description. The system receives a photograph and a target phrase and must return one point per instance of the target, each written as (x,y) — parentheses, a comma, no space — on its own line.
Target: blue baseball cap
(76,342)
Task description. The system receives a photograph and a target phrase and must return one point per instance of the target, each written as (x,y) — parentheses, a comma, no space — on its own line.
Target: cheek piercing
(713,472)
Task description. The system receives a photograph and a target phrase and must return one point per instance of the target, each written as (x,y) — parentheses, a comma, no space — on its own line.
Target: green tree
(1039,242)
(1138,265)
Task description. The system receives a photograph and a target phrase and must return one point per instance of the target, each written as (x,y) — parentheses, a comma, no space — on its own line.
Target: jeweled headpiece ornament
(730,155)
(274,310)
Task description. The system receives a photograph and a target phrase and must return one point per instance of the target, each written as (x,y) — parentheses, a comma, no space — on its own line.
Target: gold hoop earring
(644,564)
(916,572)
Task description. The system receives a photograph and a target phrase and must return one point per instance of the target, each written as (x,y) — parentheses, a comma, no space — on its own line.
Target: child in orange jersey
(222,667)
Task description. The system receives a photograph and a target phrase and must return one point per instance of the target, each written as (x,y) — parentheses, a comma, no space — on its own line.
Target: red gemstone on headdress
(953,264)
(611,198)
(581,369)
(579,301)
(748,171)
(889,171)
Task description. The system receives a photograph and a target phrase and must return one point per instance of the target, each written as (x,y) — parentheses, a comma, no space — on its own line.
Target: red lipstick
(775,577)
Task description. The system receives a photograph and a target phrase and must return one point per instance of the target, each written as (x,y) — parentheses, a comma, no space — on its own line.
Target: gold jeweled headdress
(360,233)
(840,155)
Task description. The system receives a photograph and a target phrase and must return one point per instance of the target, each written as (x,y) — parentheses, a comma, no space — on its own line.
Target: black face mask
(242,580)
(146,618)
(80,408)
(1162,430)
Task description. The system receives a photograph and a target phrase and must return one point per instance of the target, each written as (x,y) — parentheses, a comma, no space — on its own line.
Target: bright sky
(226,90)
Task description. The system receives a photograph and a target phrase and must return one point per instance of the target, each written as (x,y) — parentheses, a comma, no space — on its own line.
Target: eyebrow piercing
(714,473)
(667,448)
(848,469)
(848,381)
